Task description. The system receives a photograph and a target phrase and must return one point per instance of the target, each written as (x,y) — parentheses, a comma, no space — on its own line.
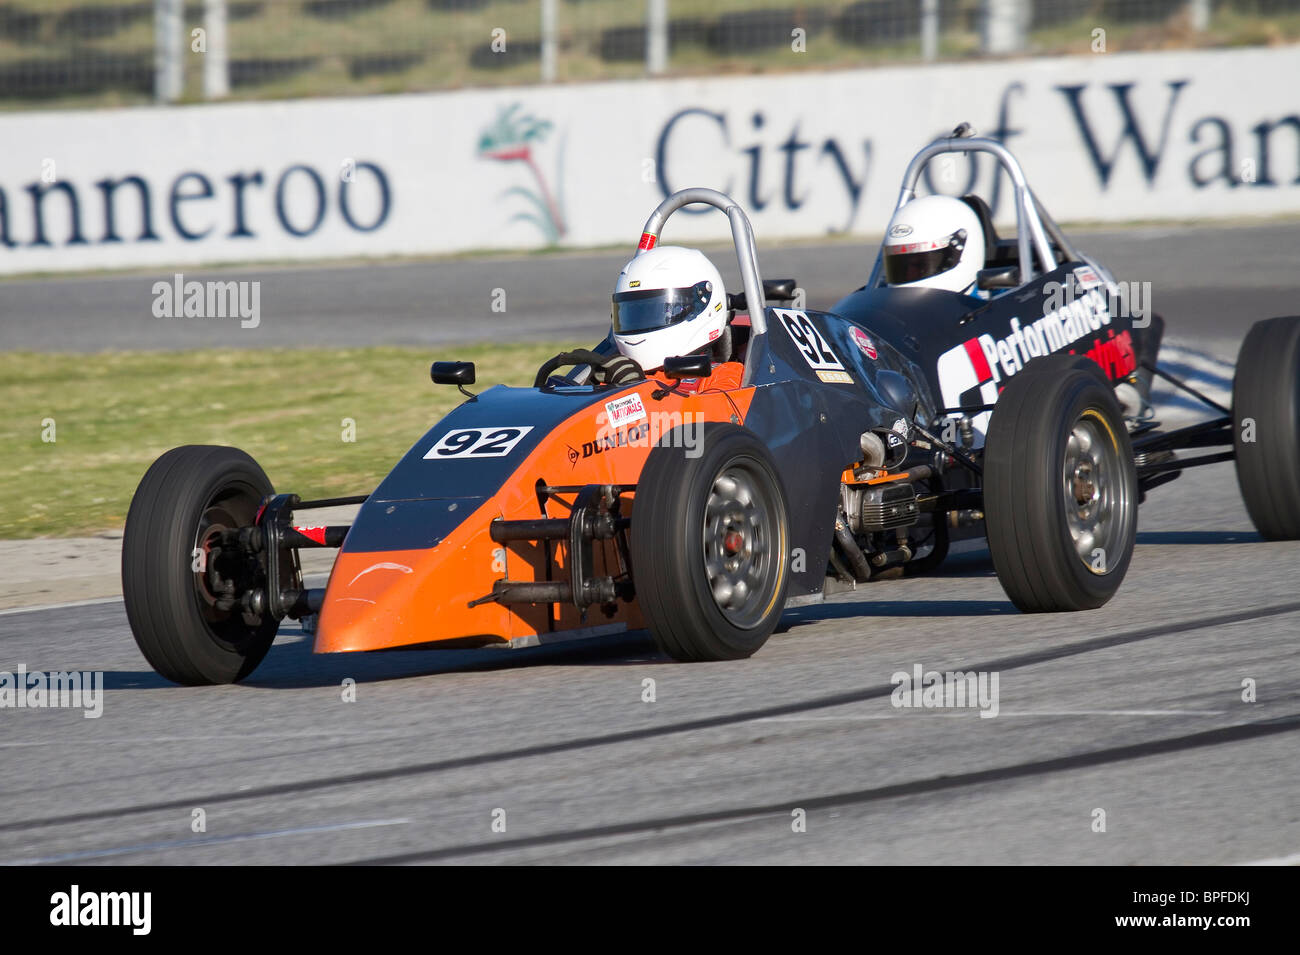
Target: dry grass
(114,413)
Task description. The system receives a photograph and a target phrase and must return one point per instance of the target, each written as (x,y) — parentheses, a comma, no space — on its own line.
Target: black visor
(902,267)
(650,309)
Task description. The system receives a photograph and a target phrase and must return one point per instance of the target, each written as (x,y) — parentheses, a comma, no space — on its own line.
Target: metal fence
(106,52)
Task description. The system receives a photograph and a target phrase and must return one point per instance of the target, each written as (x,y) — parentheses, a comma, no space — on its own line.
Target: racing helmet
(934,242)
(668,301)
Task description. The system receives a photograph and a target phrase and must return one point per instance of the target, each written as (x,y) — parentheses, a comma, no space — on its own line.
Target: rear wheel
(176,577)
(1266,426)
(709,542)
(1060,491)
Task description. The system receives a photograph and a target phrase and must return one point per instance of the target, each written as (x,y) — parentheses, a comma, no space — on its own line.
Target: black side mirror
(688,366)
(774,290)
(458,373)
(452,373)
(779,290)
(1002,276)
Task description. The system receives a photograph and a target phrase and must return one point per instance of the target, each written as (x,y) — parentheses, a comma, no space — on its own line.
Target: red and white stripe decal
(977,359)
(647,242)
(315,533)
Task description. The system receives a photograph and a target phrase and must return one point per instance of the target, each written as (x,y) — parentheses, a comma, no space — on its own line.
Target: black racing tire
(704,593)
(1060,490)
(183,499)
(1059,364)
(1266,407)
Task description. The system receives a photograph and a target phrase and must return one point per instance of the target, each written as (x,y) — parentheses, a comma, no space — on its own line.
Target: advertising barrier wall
(1109,137)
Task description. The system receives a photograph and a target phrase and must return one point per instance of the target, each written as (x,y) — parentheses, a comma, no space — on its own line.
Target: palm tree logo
(511,139)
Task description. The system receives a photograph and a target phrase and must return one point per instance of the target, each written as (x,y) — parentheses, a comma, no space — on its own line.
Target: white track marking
(1201,370)
(227,738)
(1196,357)
(383,735)
(71,603)
(210,841)
(1292,859)
(964,712)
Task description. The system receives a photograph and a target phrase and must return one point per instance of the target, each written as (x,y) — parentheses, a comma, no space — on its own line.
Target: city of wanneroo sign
(1103,137)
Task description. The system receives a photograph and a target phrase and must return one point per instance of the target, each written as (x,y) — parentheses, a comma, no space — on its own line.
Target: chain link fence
(109,52)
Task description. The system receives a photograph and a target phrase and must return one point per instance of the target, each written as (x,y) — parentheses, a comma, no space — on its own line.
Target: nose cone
(407,574)
(367,602)
(382,599)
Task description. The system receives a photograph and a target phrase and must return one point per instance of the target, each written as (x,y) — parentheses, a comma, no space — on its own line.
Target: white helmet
(668,301)
(934,242)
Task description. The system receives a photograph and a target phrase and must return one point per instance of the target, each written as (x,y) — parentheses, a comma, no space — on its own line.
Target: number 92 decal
(477,443)
(816,351)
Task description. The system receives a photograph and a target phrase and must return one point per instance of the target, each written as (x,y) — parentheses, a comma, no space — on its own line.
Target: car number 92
(477,443)
(814,348)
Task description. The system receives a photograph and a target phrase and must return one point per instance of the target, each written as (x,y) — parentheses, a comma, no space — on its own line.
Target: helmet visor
(921,260)
(647,310)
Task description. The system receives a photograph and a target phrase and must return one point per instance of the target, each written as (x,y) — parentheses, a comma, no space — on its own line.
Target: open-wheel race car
(850,444)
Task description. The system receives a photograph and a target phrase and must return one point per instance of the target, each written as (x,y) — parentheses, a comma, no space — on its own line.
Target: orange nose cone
(401,598)
(367,602)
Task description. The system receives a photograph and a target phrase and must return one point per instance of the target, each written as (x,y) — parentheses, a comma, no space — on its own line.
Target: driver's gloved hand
(620,370)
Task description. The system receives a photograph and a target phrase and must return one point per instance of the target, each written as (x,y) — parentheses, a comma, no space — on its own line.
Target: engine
(870,508)
(877,510)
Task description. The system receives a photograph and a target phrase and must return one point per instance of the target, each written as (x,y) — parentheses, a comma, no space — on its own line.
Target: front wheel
(710,535)
(178,580)
(1266,426)
(1060,491)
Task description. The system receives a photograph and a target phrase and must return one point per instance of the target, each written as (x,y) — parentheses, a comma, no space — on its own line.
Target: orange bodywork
(405,598)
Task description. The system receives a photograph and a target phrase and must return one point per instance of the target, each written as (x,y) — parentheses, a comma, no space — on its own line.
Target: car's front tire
(1060,489)
(184,501)
(710,539)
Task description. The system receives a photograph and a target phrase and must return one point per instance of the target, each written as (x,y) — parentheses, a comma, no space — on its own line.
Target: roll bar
(742,235)
(1033,224)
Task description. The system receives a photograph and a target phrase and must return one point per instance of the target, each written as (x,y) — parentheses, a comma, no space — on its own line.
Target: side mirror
(774,290)
(688,366)
(1002,276)
(459,373)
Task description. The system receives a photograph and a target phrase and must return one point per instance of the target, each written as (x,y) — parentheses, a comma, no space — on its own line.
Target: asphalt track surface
(1209,282)
(1135,709)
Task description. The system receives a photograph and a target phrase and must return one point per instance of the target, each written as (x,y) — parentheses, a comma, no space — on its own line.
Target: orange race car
(700,492)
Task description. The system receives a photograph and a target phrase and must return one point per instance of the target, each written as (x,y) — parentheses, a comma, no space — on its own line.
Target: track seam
(1215,737)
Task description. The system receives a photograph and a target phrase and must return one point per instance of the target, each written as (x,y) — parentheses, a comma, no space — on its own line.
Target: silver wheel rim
(1096,495)
(741,545)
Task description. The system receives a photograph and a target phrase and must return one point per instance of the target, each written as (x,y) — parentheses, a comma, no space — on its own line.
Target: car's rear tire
(710,544)
(1060,490)
(185,498)
(1266,409)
